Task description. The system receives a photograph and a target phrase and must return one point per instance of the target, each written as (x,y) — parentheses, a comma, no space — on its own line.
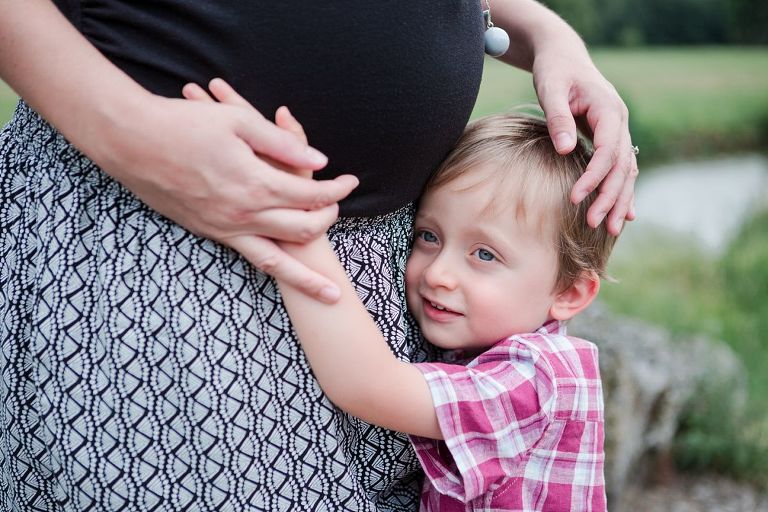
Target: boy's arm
(349,356)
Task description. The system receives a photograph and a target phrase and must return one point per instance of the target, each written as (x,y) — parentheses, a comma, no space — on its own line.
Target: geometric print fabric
(144,368)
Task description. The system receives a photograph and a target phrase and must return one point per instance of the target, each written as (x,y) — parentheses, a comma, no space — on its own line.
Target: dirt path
(695,494)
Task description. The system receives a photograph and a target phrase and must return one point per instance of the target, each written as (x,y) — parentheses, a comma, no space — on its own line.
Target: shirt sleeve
(491,413)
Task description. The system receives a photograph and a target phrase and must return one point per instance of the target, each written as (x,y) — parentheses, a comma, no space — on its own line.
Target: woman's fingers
(224,93)
(608,132)
(268,257)
(560,120)
(286,190)
(265,138)
(624,209)
(266,186)
(569,88)
(613,168)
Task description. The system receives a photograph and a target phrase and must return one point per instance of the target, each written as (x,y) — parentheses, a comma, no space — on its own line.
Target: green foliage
(745,267)
(674,284)
(667,22)
(8,100)
(745,275)
(710,441)
(748,20)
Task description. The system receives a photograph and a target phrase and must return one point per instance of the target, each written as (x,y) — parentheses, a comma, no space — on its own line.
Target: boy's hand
(285,120)
(224,93)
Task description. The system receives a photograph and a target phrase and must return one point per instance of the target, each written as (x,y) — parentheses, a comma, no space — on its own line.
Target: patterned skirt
(145,368)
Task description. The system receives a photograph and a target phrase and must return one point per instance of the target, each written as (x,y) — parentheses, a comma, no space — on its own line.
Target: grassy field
(683,102)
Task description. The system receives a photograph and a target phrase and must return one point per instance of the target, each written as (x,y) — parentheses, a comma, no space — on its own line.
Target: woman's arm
(569,86)
(193,162)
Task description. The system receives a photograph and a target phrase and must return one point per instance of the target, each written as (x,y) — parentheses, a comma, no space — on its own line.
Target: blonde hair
(520,150)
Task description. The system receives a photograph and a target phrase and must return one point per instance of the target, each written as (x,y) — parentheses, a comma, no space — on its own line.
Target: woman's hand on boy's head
(569,90)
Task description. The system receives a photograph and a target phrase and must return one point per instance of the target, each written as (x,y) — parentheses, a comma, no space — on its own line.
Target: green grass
(8,101)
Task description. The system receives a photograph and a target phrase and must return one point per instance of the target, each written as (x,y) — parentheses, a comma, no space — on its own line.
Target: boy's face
(474,276)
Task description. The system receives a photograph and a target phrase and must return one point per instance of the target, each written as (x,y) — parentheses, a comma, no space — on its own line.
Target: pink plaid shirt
(523,428)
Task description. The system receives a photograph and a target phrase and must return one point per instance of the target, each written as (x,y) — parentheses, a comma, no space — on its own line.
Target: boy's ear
(574,299)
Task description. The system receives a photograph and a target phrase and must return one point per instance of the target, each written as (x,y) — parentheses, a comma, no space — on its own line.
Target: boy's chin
(446,342)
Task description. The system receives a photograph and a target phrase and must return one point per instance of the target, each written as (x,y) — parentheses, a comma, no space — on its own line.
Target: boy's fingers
(224,92)
(266,138)
(284,119)
(192,91)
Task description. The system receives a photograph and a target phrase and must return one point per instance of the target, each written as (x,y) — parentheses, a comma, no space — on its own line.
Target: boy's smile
(479,271)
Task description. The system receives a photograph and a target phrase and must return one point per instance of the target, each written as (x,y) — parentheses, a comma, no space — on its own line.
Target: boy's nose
(439,274)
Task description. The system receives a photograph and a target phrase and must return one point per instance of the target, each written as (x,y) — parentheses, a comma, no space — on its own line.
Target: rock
(649,379)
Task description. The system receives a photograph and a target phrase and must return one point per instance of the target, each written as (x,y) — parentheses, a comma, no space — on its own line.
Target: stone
(649,380)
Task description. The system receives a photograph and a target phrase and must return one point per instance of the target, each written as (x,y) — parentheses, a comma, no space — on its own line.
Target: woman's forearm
(62,76)
(202,164)
(533,29)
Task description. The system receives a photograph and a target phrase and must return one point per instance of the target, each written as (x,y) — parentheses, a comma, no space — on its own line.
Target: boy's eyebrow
(495,236)
(423,217)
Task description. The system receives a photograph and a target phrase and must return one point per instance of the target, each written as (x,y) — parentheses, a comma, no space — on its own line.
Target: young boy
(501,259)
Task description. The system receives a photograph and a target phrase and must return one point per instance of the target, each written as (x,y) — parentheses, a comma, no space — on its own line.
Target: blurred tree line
(666,22)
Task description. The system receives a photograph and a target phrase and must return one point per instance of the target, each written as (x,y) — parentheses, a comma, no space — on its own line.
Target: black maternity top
(383,88)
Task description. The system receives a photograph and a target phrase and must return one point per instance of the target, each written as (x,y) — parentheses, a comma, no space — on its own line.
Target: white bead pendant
(496,41)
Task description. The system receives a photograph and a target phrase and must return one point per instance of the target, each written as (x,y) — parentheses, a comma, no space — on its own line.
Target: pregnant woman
(147,361)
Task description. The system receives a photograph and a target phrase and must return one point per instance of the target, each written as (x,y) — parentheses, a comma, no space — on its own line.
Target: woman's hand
(212,168)
(571,89)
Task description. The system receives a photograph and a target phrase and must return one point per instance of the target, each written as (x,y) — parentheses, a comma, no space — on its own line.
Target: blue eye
(485,255)
(427,236)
